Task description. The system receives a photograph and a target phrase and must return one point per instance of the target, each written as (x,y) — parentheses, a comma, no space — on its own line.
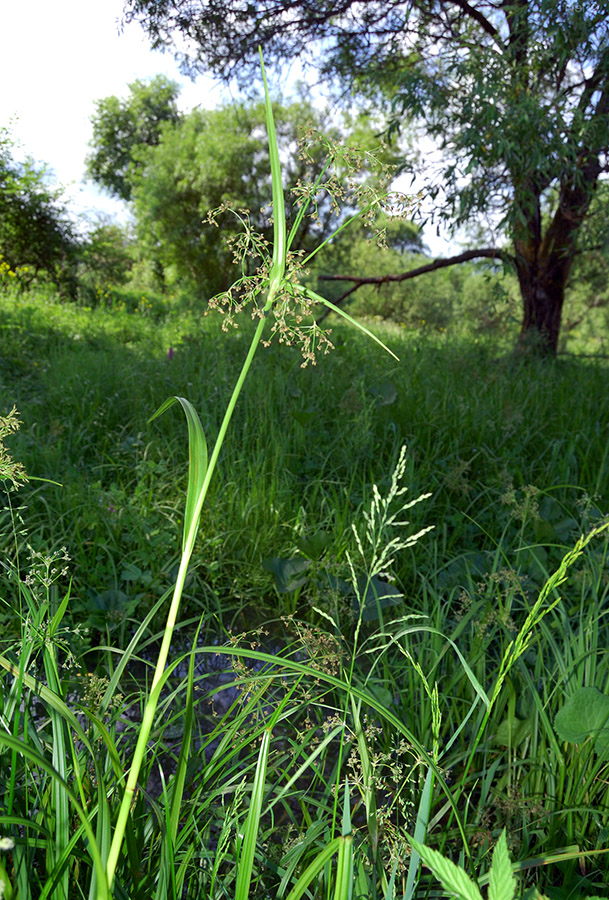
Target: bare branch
(478,17)
(443,263)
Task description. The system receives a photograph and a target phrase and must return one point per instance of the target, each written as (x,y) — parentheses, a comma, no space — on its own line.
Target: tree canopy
(122,125)
(35,230)
(208,159)
(515,94)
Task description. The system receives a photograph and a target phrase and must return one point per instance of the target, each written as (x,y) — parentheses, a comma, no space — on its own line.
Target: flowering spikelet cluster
(343,187)
(346,185)
(9,469)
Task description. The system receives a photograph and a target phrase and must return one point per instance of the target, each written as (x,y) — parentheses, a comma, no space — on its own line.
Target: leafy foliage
(584,716)
(105,260)
(217,160)
(515,95)
(36,234)
(121,126)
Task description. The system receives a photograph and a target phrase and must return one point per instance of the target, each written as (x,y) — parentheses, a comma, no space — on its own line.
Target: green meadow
(399,671)
(289,612)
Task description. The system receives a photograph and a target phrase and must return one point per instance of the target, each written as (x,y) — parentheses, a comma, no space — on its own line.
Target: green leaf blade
(279,225)
(585,715)
(319,299)
(252,824)
(197,464)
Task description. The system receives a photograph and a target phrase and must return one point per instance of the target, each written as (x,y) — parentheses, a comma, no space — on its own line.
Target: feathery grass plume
(11,471)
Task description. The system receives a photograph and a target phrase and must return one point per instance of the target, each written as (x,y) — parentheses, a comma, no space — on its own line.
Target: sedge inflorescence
(343,191)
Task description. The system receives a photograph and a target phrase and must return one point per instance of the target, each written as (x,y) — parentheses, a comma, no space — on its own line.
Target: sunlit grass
(378,679)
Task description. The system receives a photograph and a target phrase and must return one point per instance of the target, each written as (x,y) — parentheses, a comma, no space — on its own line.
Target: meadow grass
(379,680)
(515,456)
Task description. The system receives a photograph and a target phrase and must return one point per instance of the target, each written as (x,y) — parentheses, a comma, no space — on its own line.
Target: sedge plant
(276,294)
(272,291)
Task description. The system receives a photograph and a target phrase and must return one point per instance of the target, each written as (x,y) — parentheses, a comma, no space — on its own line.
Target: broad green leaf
(289,573)
(313,545)
(584,715)
(501,881)
(304,417)
(451,877)
(385,393)
(197,463)
(512,732)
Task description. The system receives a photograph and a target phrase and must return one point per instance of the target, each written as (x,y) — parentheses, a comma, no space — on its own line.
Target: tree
(219,158)
(514,92)
(36,233)
(105,258)
(122,126)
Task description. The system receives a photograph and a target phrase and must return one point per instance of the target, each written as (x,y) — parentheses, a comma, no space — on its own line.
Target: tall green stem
(151,704)
(276,276)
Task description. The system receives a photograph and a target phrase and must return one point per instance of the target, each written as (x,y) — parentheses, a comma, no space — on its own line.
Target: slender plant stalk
(201,473)
(276,276)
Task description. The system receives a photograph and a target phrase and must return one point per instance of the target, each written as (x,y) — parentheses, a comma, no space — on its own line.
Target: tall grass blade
(390,889)
(174,807)
(252,823)
(341,312)
(420,833)
(279,225)
(344,867)
(197,466)
(314,868)
(40,762)
(367,778)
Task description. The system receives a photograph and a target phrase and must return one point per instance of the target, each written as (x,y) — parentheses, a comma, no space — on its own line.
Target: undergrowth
(347,691)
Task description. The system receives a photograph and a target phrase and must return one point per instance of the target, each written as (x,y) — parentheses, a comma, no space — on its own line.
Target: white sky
(58,57)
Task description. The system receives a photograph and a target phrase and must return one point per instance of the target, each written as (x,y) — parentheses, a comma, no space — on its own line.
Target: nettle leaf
(501,880)
(585,715)
(450,876)
(288,572)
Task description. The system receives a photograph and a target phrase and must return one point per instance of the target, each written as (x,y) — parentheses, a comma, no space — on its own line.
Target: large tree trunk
(542,286)
(543,261)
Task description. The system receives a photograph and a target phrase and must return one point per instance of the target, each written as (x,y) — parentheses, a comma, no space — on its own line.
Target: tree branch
(478,17)
(443,263)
